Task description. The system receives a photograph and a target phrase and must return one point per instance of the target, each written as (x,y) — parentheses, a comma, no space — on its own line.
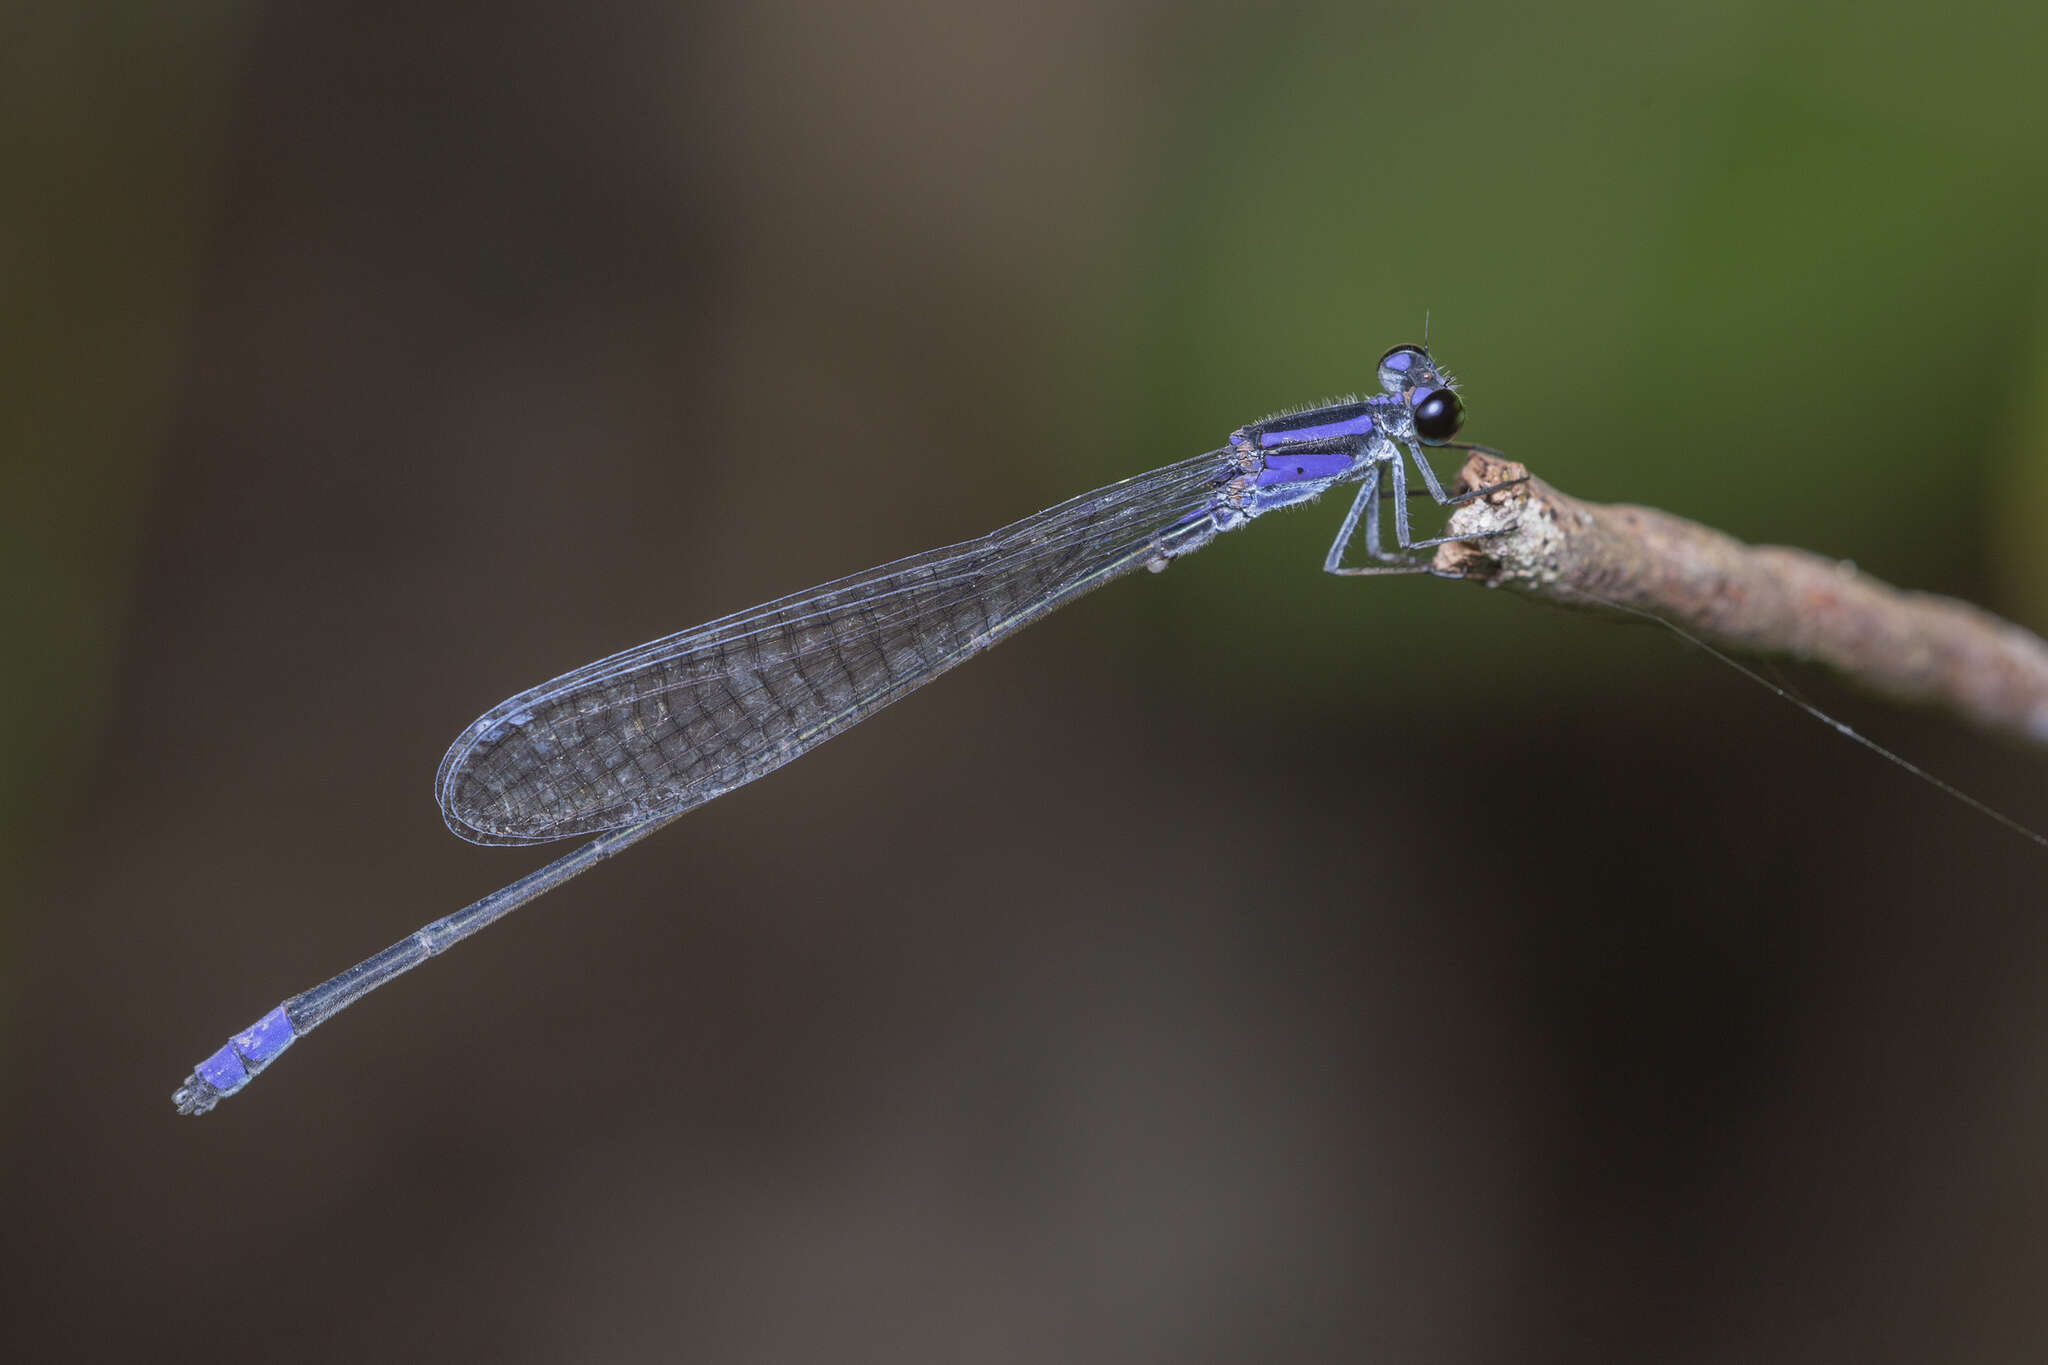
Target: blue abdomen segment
(1347,422)
(248,1052)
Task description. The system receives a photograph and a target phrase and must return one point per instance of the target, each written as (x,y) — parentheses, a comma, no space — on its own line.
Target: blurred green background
(1245,964)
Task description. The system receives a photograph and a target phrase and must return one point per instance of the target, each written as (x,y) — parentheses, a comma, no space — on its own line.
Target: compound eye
(1438,415)
(1399,366)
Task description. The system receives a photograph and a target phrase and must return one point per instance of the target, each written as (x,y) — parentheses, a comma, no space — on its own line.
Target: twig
(1761,599)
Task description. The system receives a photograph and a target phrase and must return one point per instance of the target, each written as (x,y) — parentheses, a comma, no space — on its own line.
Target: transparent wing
(656,730)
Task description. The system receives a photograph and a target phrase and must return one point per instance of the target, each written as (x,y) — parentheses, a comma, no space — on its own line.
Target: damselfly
(620,747)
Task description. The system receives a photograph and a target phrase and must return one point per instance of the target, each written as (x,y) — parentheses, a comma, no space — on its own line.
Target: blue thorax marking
(1290,466)
(1323,424)
(1302,453)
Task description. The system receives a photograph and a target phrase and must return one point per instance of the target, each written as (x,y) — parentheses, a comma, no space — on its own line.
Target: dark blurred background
(1244,964)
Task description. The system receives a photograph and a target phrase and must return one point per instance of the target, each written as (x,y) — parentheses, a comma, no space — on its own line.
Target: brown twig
(1758,599)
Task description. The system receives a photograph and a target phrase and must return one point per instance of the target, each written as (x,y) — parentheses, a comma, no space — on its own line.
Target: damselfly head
(1409,371)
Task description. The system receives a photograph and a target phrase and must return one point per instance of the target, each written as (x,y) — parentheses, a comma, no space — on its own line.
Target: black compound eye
(1438,415)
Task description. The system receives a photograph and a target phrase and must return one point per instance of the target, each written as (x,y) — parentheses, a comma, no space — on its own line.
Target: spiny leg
(1436,491)
(1367,500)
(1401,535)
(1428,473)
(1393,562)
(1367,505)
(1460,499)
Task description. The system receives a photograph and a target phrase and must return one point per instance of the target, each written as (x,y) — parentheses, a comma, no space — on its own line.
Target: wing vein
(654,730)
